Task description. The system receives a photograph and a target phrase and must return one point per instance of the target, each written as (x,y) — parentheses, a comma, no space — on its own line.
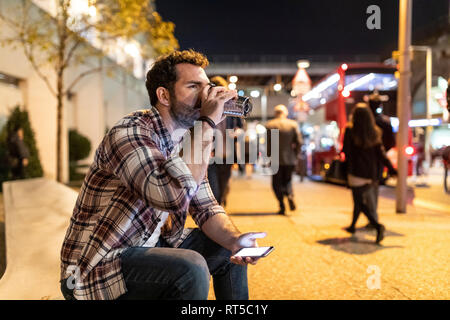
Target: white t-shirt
(354,181)
(151,242)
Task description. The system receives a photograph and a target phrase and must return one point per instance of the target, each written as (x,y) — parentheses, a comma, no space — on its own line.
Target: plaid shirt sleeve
(164,183)
(204,205)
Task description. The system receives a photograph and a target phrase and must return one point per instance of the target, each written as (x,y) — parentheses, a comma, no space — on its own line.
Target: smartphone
(258,252)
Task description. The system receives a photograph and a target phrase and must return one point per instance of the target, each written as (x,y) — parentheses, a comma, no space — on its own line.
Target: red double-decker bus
(331,101)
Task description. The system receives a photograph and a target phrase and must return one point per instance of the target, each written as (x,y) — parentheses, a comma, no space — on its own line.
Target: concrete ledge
(37,214)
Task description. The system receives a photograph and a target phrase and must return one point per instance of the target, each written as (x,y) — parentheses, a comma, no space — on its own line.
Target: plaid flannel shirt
(136,176)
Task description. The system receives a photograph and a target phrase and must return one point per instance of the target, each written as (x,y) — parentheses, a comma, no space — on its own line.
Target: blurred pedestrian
(19,154)
(448,95)
(219,172)
(446,161)
(246,149)
(387,135)
(419,146)
(365,154)
(290,142)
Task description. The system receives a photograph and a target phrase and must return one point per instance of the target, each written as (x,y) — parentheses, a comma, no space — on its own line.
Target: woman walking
(365,157)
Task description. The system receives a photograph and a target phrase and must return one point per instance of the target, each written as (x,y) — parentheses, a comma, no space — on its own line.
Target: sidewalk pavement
(315,259)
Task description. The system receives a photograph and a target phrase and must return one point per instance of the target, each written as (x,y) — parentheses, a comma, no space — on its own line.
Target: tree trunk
(59,123)
(60,67)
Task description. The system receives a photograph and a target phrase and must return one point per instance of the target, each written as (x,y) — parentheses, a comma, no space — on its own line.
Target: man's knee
(194,283)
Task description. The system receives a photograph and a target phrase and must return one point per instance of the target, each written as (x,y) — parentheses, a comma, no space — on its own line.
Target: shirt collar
(161,130)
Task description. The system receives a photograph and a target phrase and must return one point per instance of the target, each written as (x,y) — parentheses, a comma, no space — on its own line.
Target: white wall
(10,96)
(115,102)
(87,107)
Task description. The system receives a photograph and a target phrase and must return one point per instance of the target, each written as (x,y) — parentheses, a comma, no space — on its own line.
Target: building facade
(98,101)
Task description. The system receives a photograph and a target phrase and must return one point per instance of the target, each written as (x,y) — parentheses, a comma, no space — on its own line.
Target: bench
(37,214)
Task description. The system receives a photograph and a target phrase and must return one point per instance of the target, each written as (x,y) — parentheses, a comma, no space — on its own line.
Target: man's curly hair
(164,74)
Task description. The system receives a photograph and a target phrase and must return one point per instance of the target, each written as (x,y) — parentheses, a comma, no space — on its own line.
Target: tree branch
(72,50)
(81,76)
(29,54)
(20,29)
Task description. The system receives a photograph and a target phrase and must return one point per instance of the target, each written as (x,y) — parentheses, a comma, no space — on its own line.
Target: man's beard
(184,114)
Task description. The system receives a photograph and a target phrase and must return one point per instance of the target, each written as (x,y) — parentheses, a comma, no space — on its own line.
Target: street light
(303,64)
(254,93)
(232,86)
(277,86)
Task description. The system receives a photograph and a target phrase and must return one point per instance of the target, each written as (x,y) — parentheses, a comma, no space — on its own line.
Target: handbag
(337,172)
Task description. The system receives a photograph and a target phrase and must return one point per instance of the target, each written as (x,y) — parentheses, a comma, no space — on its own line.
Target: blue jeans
(167,273)
(170,273)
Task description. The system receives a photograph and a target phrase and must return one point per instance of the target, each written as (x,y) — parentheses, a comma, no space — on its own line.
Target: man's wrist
(235,246)
(208,120)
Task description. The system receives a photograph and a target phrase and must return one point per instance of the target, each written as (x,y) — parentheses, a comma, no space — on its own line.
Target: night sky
(316,27)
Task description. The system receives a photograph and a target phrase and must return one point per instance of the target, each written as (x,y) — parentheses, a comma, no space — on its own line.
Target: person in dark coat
(365,154)
(290,142)
(219,172)
(18,153)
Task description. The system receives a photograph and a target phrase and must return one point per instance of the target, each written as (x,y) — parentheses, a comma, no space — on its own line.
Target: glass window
(323,92)
(370,82)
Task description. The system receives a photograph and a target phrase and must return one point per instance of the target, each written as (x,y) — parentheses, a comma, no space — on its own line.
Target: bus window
(370,82)
(325,91)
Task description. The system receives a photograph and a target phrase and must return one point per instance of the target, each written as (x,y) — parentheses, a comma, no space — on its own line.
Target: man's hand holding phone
(247,245)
